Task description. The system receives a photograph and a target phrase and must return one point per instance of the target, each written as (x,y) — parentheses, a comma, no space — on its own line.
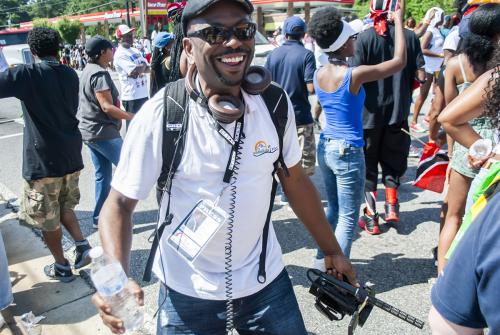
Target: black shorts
(133,106)
(388,146)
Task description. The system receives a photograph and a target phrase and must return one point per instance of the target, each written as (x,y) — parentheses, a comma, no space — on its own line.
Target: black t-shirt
(387,101)
(52,143)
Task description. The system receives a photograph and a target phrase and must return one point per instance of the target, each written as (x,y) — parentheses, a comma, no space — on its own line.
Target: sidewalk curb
(14,325)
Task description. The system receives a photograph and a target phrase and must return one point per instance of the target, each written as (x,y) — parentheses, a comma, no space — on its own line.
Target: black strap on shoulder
(275,98)
(175,122)
(175,101)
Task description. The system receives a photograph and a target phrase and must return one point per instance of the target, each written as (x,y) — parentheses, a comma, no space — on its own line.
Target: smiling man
(220,286)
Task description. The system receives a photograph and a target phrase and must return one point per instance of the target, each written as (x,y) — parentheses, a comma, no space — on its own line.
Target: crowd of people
(198,130)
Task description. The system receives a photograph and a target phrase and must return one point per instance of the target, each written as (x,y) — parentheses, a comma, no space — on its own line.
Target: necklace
(337,61)
(50,60)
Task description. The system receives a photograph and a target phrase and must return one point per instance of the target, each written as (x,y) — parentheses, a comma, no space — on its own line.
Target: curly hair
(44,42)
(326,26)
(492,104)
(484,25)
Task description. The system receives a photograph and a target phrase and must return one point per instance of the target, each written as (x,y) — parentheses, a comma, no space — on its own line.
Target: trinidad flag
(431,170)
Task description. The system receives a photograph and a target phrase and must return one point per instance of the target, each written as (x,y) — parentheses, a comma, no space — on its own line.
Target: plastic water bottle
(110,281)
(481,148)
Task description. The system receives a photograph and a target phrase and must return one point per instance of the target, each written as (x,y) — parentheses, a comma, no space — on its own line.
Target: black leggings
(389,146)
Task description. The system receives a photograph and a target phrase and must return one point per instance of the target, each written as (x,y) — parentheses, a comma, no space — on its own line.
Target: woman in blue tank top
(340,92)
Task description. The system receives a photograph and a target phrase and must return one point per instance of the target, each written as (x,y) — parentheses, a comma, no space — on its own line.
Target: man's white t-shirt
(125,61)
(147,46)
(452,40)
(3,62)
(433,64)
(200,176)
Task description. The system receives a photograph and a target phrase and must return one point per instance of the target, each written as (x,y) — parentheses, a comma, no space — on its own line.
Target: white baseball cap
(123,29)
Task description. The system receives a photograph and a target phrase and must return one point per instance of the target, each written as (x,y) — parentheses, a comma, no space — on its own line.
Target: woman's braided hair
(176,50)
(492,104)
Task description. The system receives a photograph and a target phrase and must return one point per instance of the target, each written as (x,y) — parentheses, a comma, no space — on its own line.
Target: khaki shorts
(307,144)
(44,199)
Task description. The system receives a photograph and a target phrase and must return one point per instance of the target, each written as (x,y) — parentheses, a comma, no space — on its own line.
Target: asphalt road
(398,262)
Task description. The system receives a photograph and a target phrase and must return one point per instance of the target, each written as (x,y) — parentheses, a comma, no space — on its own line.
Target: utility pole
(142,14)
(128,13)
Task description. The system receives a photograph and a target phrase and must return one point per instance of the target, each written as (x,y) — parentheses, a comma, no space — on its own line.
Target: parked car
(262,48)
(18,54)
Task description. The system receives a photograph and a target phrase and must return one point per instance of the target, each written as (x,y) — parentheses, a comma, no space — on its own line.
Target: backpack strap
(277,105)
(175,122)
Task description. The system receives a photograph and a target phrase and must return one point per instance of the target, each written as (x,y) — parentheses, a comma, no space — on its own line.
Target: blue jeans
(273,310)
(104,154)
(5,285)
(343,168)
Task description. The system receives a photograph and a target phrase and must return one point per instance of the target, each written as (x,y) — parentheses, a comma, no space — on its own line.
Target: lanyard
(234,141)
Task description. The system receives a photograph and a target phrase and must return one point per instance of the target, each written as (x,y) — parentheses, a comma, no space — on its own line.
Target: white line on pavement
(9,136)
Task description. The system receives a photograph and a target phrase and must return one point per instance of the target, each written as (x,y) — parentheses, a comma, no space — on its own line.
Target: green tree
(88,6)
(13,10)
(45,8)
(415,8)
(43,22)
(69,30)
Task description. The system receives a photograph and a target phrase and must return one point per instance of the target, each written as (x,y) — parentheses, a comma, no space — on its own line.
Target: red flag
(431,170)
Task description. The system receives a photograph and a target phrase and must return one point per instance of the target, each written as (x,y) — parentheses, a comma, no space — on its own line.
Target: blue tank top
(343,111)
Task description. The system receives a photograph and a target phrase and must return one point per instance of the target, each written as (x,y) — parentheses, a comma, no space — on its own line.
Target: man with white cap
(131,67)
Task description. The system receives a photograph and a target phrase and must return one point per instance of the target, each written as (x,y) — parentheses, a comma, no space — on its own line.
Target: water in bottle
(481,148)
(110,281)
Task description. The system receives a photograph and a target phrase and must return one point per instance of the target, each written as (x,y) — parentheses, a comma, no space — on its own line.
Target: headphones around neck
(227,108)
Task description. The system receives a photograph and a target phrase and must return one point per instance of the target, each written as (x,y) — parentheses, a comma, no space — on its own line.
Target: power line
(23,7)
(95,7)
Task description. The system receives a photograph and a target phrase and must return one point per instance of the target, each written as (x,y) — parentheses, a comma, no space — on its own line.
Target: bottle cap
(96,252)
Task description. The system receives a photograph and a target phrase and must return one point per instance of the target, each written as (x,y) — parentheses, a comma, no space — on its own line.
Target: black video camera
(335,299)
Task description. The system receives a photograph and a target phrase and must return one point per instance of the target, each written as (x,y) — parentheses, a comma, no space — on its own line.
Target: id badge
(197,229)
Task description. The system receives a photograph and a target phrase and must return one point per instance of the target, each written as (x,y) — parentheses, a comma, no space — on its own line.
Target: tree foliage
(45,23)
(78,6)
(415,8)
(15,10)
(69,30)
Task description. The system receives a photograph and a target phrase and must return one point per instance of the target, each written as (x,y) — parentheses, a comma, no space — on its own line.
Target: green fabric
(492,176)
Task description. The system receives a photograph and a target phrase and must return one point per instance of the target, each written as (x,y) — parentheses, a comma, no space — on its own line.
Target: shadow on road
(138,258)
(387,271)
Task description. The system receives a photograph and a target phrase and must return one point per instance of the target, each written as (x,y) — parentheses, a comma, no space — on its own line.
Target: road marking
(11,135)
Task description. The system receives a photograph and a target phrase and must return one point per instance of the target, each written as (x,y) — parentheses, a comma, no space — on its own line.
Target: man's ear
(188,49)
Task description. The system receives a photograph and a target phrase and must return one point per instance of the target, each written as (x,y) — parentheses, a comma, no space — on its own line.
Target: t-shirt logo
(261,148)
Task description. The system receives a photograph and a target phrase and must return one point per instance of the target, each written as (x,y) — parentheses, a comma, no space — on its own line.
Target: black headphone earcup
(226,108)
(256,80)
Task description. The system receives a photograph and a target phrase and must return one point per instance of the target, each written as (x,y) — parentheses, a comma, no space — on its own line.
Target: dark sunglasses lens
(245,33)
(214,35)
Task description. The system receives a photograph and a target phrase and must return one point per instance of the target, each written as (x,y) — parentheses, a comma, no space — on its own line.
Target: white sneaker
(319,264)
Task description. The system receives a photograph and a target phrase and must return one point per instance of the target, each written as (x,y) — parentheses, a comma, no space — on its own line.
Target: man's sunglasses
(219,35)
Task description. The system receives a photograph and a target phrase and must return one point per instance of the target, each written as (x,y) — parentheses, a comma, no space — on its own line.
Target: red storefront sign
(157,7)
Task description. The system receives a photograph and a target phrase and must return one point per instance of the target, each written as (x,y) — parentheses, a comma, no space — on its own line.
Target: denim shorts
(272,311)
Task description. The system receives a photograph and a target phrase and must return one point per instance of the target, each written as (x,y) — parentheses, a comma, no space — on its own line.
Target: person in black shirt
(160,63)
(52,147)
(386,111)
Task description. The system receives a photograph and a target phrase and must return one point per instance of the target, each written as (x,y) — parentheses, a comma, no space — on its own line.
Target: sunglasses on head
(219,35)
